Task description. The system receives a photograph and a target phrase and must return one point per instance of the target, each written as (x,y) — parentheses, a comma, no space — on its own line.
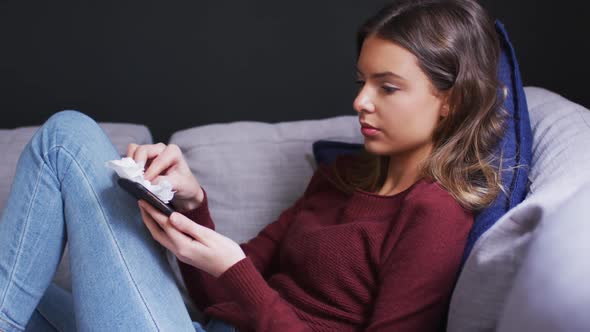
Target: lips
(368,131)
(366,125)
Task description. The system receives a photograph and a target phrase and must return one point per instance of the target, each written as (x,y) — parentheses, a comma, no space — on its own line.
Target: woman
(374,243)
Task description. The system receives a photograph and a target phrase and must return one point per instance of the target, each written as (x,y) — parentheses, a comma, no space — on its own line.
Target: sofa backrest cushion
(560,163)
(551,292)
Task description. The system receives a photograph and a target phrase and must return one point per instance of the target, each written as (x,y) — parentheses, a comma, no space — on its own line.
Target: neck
(403,170)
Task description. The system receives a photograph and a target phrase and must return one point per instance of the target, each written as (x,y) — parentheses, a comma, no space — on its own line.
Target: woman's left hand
(192,243)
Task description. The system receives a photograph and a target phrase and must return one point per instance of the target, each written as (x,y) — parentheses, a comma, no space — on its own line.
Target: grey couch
(252,171)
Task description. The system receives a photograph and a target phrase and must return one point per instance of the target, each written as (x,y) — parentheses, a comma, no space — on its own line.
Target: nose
(363,102)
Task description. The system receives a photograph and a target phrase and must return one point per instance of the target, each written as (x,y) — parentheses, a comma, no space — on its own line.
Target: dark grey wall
(175,64)
(551,43)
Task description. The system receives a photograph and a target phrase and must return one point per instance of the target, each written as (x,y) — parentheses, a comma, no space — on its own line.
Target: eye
(389,89)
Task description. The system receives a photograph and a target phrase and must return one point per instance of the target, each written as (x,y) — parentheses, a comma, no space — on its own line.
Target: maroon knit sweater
(338,262)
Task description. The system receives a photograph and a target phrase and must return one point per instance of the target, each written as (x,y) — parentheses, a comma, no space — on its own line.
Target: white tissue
(127,168)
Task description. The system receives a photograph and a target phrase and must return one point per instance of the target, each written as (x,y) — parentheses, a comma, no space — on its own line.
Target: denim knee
(70,120)
(69,126)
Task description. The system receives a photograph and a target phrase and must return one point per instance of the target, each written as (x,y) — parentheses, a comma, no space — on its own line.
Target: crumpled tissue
(127,168)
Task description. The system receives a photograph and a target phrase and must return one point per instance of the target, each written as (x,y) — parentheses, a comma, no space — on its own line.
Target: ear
(444,110)
(445,107)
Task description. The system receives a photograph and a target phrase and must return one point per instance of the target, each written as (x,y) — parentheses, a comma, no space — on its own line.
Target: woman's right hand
(167,160)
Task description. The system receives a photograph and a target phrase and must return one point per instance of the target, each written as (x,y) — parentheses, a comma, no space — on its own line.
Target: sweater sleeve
(201,214)
(425,259)
(261,251)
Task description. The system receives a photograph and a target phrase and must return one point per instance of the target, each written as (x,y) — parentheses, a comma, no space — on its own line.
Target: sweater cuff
(246,284)
(201,214)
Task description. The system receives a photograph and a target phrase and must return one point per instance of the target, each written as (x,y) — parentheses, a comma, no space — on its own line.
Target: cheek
(410,118)
(398,112)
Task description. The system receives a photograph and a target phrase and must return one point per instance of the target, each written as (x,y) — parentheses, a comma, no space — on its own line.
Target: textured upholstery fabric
(551,290)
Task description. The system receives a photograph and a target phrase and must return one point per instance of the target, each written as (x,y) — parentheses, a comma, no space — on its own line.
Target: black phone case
(140,192)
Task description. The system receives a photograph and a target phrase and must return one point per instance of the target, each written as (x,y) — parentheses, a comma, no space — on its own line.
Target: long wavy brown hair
(458,49)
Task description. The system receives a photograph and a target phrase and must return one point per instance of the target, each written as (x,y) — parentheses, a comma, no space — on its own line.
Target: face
(395,97)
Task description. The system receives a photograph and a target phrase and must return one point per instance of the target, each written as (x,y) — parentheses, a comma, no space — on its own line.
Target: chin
(376,148)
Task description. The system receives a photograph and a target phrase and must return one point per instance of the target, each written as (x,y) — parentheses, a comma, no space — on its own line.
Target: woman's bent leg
(121,280)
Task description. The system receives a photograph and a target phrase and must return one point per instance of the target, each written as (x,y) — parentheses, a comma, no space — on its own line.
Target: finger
(173,236)
(166,159)
(131,149)
(189,249)
(158,216)
(180,239)
(185,225)
(147,151)
(155,230)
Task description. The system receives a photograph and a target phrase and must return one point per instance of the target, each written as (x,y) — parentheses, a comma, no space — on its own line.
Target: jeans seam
(75,161)
(20,243)
(65,171)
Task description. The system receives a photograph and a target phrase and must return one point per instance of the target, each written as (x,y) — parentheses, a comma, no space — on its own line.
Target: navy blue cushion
(516,145)
(325,152)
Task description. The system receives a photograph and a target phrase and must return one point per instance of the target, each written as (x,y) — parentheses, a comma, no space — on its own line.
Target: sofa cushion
(560,163)
(325,151)
(516,144)
(556,262)
(252,171)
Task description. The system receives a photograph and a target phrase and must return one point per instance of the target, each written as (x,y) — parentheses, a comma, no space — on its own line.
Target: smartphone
(140,192)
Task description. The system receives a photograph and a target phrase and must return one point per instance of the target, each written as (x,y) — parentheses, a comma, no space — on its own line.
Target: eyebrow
(383,74)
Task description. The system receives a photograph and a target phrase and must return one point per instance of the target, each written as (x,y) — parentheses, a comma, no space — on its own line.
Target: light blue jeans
(121,280)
